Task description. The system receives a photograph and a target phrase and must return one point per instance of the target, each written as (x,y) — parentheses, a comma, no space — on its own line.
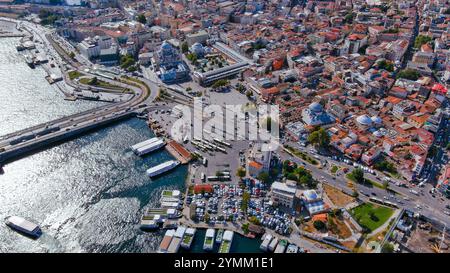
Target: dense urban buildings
(361,91)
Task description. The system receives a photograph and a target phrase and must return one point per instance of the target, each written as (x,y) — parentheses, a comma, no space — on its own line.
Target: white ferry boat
(227,240)
(208,244)
(24,226)
(188,238)
(165,243)
(170,196)
(149,222)
(281,247)
(273,244)
(162,168)
(143,143)
(266,241)
(219,236)
(150,147)
(176,240)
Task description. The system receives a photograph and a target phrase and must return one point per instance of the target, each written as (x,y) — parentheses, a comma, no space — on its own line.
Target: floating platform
(178,151)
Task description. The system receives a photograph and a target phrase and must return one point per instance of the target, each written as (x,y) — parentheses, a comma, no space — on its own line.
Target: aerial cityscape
(225,126)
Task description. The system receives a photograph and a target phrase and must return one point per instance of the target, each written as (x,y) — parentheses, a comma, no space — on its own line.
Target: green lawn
(99,83)
(187,238)
(74,74)
(366,181)
(371,216)
(302,155)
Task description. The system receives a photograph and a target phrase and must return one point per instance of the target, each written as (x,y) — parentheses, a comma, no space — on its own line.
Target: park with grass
(74,74)
(371,216)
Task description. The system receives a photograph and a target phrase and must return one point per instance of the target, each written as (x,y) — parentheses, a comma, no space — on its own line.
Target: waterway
(88,194)
(240,244)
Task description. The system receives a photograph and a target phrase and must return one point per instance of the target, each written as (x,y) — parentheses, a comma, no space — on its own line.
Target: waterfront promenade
(24,141)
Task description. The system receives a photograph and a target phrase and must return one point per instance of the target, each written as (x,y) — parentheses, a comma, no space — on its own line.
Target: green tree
(126,61)
(387,248)
(240,172)
(357,175)
(319,225)
(245,228)
(245,200)
(383,64)
(421,40)
(263,177)
(93,81)
(220,83)
(141,19)
(348,19)
(409,74)
(319,138)
(184,47)
(72,55)
(355,194)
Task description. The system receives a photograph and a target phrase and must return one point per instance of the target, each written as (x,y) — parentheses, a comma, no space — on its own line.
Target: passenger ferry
(219,236)
(23,226)
(208,244)
(273,244)
(148,148)
(188,238)
(162,168)
(281,247)
(226,241)
(165,243)
(266,241)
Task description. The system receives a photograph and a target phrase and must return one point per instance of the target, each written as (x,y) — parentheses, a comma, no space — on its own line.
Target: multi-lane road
(422,203)
(15,144)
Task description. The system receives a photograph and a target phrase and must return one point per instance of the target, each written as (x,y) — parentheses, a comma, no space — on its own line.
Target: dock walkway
(178,151)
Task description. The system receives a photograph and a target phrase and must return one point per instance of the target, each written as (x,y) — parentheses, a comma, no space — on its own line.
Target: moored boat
(162,168)
(219,236)
(227,240)
(188,238)
(208,244)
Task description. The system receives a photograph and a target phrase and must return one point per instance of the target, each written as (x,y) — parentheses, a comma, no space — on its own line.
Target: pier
(178,151)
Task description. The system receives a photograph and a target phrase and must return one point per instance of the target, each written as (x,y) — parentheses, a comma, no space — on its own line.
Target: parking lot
(224,204)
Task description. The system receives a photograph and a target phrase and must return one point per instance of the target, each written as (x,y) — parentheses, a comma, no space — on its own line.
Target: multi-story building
(283,194)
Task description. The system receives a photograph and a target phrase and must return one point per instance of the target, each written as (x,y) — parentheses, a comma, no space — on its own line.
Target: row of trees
(386,166)
(298,174)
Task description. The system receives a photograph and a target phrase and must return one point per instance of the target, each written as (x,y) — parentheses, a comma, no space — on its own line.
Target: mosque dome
(376,119)
(315,107)
(364,120)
